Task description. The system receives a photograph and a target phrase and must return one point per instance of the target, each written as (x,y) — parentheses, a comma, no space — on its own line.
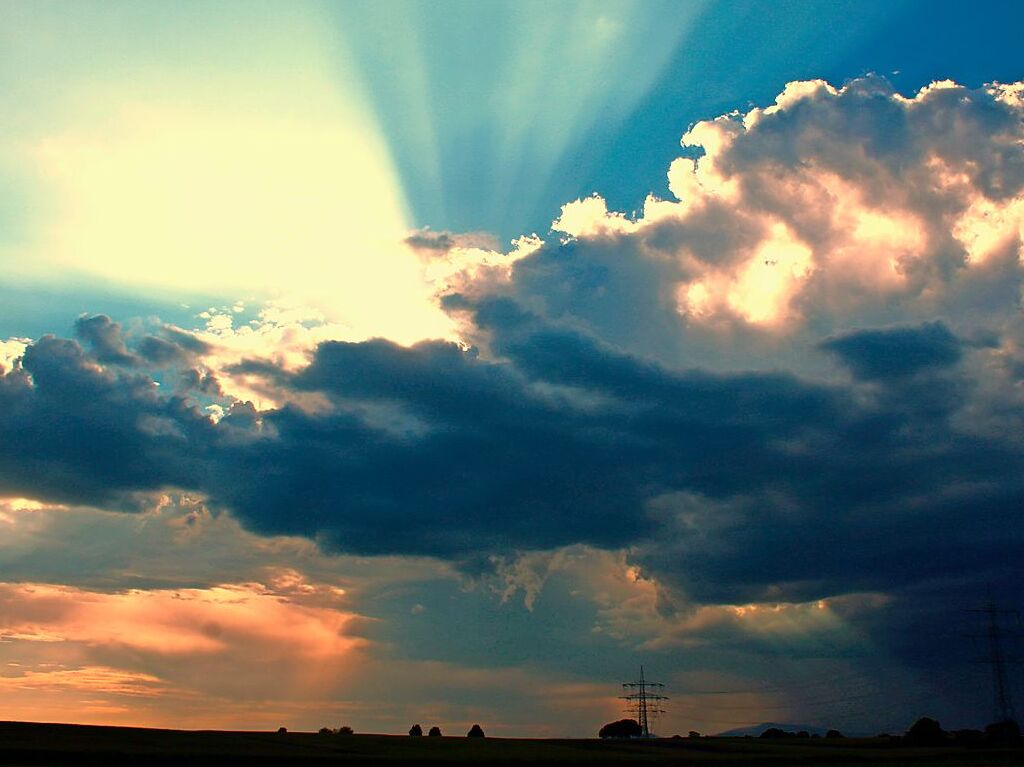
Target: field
(59,744)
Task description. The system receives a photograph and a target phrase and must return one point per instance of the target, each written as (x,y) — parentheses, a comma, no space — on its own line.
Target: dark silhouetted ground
(63,744)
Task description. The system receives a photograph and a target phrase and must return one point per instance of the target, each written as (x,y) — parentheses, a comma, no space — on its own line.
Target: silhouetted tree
(833,734)
(282,730)
(435,732)
(345,730)
(925,731)
(475,732)
(694,734)
(775,732)
(1007,731)
(325,731)
(416,731)
(624,728)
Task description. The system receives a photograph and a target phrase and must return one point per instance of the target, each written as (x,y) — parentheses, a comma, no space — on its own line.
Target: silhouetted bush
(282,730)
(694,734)
(345,730)
(775,732)
(1007,731)
(624,728)
(925,731)
(475,732)
(325,731)
(435,732)
(833,734)
(416,731)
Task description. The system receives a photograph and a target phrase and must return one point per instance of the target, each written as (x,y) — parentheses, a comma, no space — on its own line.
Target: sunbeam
(248,169)
(438,363)
(483,102)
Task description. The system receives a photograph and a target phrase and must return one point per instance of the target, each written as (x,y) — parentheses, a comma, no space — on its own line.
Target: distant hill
(757,729)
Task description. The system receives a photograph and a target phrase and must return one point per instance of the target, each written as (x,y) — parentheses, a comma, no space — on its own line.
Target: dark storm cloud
(172,347)
(109,343)
(105,338)
(507,455)
(76,432)
(896,352)
(800,492)
(158,351)
(475,455)
(730,487)
(484,463)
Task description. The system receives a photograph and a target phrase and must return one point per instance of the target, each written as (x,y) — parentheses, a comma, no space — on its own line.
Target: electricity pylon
(639,700)
(1002,700)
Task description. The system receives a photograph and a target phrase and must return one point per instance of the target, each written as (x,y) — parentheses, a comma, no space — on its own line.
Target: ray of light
(220,152)
(482,102)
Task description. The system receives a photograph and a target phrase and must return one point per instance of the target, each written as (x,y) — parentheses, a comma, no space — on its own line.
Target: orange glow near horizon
(149,657)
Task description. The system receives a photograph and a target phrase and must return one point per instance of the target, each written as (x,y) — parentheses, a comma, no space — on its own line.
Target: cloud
(675,389)
(173,346)
(90,434)
(594,608)
(832,209)
(11,351)
(152,656)
(104,337)
(896,352)
(180,622)
(430,242)
(562,440)
(174,541)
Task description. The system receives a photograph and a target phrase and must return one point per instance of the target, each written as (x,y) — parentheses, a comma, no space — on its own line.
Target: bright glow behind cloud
(237,206)
(254,171)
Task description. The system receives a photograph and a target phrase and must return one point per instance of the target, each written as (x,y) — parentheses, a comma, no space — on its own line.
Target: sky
(390,363)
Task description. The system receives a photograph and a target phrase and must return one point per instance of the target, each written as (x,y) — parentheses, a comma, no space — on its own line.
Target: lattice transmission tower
(643,700)
(997,633)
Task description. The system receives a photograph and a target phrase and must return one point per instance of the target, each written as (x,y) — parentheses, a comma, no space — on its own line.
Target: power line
(861,698)
(833,699)
(773,688)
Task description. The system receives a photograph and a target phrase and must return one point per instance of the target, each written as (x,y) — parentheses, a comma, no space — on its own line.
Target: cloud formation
(798,380)
(896,352)
(830,209)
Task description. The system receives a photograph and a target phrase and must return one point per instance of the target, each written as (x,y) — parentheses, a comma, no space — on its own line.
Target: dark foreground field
(62,744)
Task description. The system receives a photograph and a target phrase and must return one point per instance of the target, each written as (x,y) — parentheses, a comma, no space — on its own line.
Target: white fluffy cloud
(831,209)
